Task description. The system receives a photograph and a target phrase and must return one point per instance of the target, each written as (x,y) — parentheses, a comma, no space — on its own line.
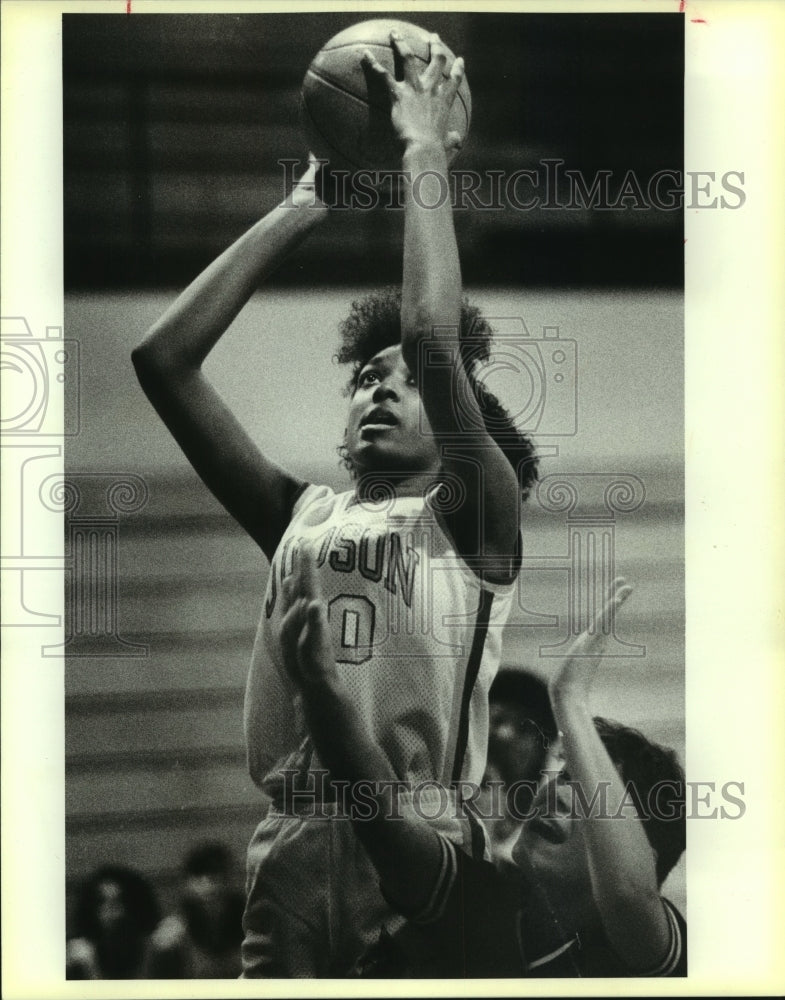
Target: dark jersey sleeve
(467,929)
(591,956)
(480,923)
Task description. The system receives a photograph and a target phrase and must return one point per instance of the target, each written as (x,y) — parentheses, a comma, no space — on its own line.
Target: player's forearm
(431,293)
(619,846)
(190,328)
(621,861)
(341,736)
(403,849)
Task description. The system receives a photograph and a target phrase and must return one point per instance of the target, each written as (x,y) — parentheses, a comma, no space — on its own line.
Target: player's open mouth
(378,419)
(548,829)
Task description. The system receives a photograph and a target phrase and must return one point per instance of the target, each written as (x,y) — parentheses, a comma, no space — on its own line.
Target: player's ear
(346,459)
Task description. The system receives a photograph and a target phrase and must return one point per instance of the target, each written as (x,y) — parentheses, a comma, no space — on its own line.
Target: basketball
(334,98)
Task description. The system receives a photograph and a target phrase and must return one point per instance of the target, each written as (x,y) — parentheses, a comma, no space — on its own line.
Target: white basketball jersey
(416,635)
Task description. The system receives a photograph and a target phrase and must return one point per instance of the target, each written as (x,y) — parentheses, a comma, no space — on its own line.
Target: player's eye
(366,378)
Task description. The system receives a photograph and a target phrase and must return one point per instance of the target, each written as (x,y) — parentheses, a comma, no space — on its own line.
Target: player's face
(551,844)
(516,744)
(387,428)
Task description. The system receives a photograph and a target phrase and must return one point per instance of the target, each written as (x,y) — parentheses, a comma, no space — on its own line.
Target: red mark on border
(128,6)
(699,20)
(682,5)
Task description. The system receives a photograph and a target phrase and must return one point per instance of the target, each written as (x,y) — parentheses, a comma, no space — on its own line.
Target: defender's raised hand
(576,672)
(307,649)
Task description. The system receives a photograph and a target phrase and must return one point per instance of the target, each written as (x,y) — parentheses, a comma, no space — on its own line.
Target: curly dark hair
(656,780)
(374,323)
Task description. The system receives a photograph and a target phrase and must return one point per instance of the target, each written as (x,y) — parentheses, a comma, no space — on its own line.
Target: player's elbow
(148,361)
(255,769)
(155,364)
(142,362)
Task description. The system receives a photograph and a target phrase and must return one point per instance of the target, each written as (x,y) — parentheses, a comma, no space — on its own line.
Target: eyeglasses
(521,726)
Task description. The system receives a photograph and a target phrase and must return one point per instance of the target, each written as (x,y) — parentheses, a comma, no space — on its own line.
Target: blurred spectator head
(207,873)
(116,910)
(212,908)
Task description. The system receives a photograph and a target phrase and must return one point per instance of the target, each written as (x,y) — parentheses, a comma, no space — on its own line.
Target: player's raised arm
(168,362)
(487,523)
(622,863)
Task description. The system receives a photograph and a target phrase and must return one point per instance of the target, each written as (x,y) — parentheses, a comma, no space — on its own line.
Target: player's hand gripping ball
(340,122)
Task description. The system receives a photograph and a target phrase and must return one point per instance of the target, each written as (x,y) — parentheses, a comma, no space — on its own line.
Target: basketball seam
(342,90)
(364,100)
(367,45)
(327,142)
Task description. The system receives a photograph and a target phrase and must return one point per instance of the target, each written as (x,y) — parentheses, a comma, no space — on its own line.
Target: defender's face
(551,844)
(516,744)
(387,427)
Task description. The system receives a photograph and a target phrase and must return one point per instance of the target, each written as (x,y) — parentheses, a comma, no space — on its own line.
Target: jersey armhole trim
(434,907)
(307,493)
(675,946)
(495,585)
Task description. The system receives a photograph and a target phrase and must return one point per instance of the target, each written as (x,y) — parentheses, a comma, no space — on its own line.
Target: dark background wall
(173,126)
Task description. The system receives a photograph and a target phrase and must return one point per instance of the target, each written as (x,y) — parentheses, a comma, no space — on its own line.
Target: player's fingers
(378,80)
(295,613)
(317,626)
(314,165)
(403,59)
(316,613)
(287,592)
(308,658)
(438,56)
(286,628)
(453,140)
(619,597)
(294,578)
(618,592)
(437,61)
(309,581)
(291,627)
(317,652)
(455,79)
